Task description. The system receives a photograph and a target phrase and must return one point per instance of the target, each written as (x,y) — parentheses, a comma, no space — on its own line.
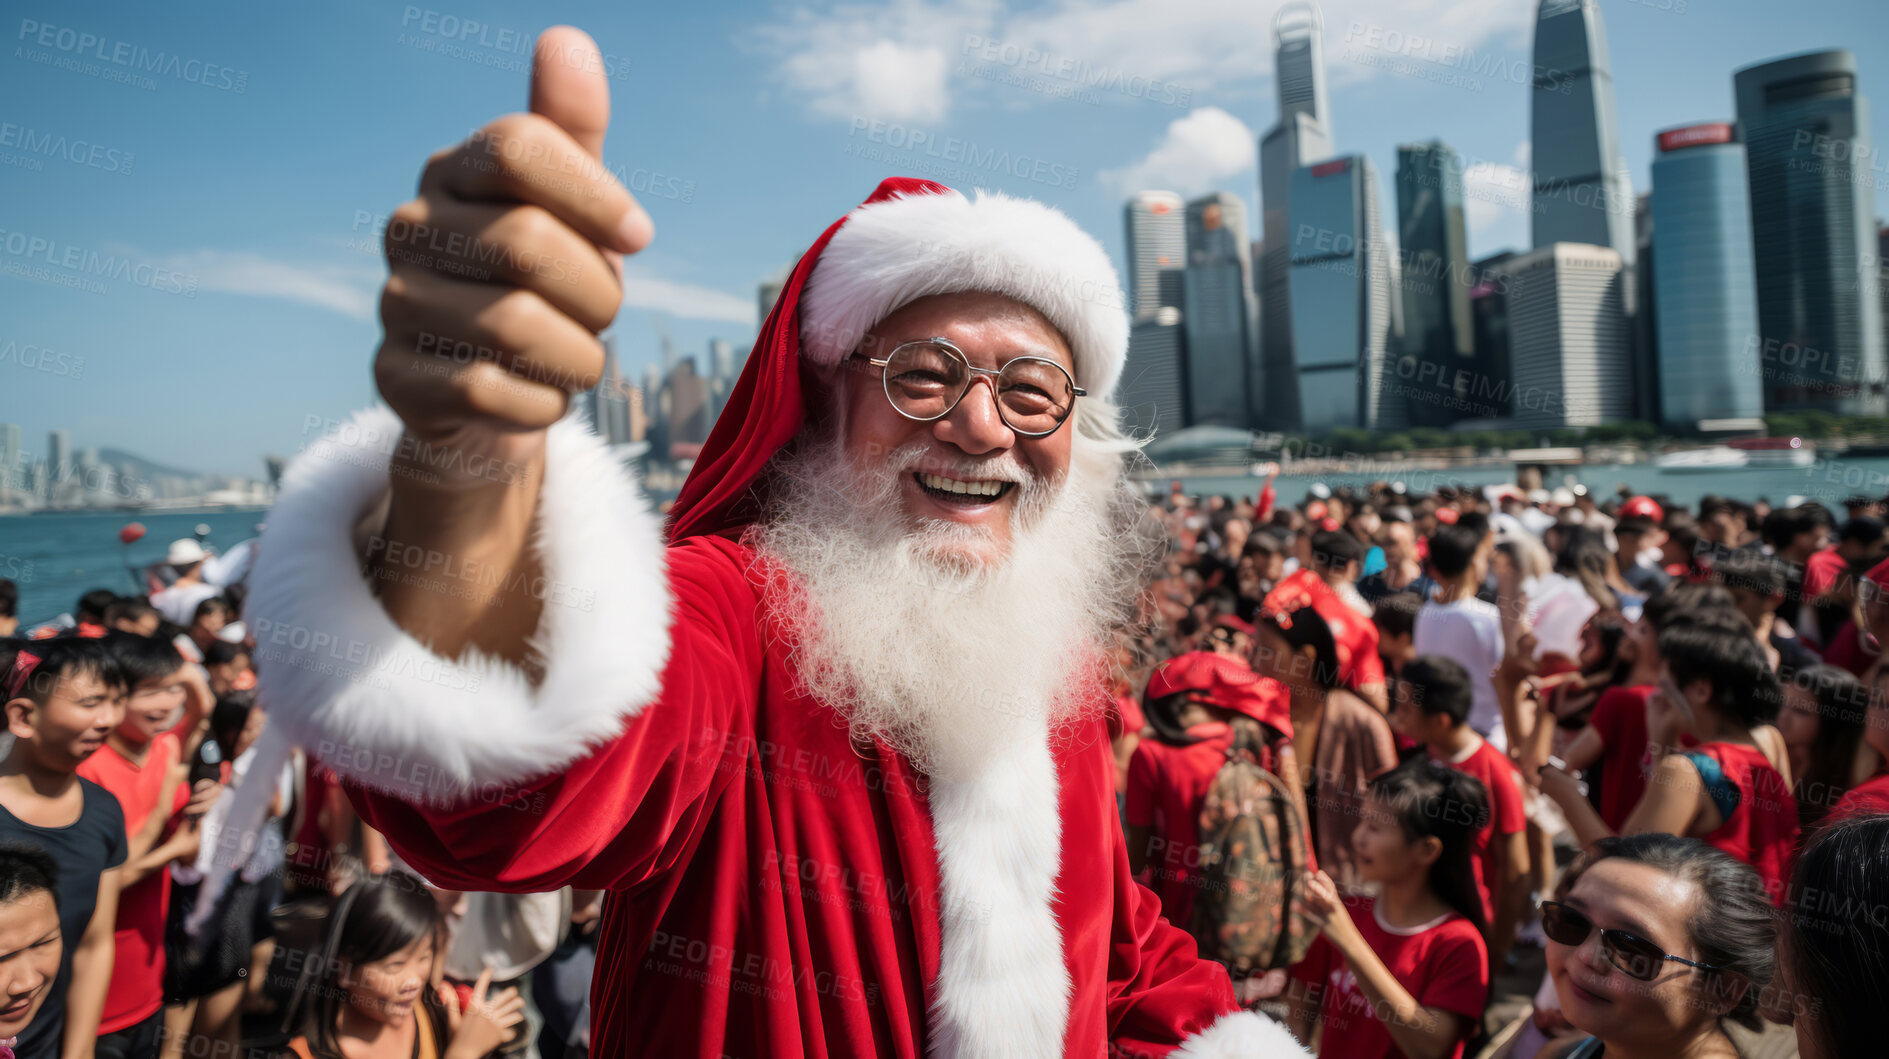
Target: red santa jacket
(774,890)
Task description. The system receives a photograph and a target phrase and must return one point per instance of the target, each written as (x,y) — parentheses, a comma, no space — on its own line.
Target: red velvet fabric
(773,888)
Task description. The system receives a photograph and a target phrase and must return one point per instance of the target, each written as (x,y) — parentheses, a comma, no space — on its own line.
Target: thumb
(569,87)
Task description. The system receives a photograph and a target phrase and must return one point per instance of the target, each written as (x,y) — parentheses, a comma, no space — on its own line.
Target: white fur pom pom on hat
(894,251)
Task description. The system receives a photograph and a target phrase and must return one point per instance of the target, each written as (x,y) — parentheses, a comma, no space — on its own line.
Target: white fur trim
(1002,988)
(904,248)
(1242,1035)
(382,709)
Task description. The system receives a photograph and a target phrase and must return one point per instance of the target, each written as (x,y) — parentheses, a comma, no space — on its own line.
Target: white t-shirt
(1469,633)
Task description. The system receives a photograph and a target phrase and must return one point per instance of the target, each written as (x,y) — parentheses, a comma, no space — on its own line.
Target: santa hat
(910,239)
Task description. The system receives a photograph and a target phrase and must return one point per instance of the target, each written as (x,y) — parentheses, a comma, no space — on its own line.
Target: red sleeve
(1160,991)
(1506,793)
(1605,719)
(635,805)
(1263,510)
(1139,807)
(1455,971)
(1367,665)
(1315,969)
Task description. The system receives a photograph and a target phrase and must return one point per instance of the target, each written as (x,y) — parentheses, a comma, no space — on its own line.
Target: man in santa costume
(833,738)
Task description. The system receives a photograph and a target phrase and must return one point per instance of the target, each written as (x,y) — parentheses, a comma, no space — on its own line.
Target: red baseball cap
(1217,680)
(1642,507)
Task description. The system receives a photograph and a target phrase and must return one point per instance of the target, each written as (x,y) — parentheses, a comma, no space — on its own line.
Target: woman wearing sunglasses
(1657,943)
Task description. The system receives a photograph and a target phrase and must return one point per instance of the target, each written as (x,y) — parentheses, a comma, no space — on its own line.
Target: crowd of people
(1609,729)
(1650,743)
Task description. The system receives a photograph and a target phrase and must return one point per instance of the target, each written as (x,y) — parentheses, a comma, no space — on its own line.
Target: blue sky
(220,167)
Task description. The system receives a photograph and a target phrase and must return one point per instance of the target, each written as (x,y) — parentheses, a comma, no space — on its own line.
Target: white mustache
(919,456)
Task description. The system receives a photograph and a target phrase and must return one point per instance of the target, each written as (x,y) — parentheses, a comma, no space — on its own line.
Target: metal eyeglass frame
(885,383)
(1608,947)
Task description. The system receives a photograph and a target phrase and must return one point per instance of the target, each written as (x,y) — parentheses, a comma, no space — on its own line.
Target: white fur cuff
(378,707)
(1242,1035)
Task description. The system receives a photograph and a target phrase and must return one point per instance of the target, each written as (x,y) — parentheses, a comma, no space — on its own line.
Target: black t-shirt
(81,851)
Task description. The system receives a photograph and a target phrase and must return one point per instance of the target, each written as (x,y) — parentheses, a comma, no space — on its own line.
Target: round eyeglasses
(926,379)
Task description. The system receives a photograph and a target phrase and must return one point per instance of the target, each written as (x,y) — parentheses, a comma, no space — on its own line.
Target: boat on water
(1740,454)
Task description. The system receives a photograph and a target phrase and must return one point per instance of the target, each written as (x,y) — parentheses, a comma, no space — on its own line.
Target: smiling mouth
(953,491)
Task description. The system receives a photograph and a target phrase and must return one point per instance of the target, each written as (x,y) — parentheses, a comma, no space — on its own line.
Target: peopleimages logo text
(131,56)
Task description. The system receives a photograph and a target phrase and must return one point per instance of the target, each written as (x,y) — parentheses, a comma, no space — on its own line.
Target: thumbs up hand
(502,270)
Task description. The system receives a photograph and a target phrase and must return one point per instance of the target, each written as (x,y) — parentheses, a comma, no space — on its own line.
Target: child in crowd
(30,941)
(374,991)
(1190,704)
(139,765)
(1659,942)
(1339,741)
(1715,687)
(1823,720)
(1456,624)
(1407,972)
(63,696)
(1433,699)
(228,667)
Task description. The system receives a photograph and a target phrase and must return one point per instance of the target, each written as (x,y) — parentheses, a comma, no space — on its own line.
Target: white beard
(929,640)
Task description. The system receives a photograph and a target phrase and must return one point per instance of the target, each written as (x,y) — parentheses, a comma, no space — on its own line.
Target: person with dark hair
(1760,585)
(1262,564)
(133,614)
(1464,628)
(167,702)
(89,612)
(1190,705)
(1872,794)
(1339,741)
(207,620)
(1583,556)
(1715,687)
(1830,576)
(1633,539)
(228,667)
(1405,972)
(63,697)
(31,944)
(371,992)
(1403,567)
(1683,552)
(9,607)
(1794,535)
(1395,616)
(1660,941)
(1433,700)
(1828,954)
(1823,720)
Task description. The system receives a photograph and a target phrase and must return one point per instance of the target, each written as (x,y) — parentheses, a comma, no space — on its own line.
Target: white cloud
(352,291)
(685,299)
(1497,197)
(853,61)
(899,61)
(1198,152)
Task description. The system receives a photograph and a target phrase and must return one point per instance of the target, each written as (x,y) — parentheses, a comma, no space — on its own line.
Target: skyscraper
(1218,313)
(1582,193)
(1302,136)
(1438,335)
(1806,130)
(1157,243)
(1703,282)
(58,469)
(1487,395)
(1341,298)
(1154,379)
(12,461)
(1568,337)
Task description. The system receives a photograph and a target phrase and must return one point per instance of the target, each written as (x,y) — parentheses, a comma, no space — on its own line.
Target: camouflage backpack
(1255,855)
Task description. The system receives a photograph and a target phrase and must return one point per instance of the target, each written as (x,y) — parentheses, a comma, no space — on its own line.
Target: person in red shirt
(1407,972)
(1189,703)
(1432,707)
(1871,795)
(1716,686)
(139,765)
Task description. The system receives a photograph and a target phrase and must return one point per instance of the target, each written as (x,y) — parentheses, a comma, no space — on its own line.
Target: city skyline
(279,324)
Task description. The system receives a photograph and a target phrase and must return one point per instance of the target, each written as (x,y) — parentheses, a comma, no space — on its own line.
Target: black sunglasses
(1636,957)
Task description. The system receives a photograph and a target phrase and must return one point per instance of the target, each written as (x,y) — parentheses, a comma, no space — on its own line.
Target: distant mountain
(136,466)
